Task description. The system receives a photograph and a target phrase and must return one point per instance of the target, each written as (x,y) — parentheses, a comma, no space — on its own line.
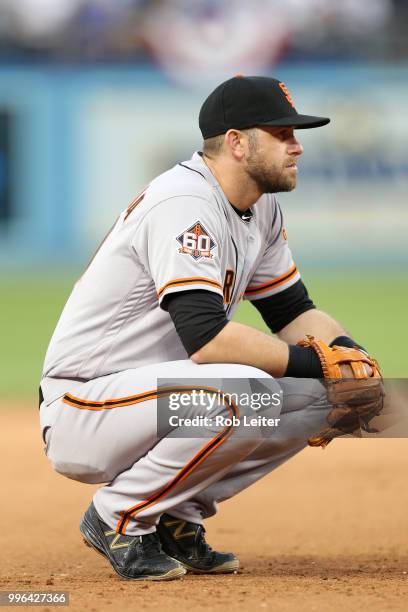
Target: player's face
(271,159)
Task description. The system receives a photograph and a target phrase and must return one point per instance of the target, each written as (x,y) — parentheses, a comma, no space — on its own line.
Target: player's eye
(286,134)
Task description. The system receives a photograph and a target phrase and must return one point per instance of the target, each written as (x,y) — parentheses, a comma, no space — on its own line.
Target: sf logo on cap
(287,94)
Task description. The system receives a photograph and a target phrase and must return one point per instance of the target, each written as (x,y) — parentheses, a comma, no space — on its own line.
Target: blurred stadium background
(97,97)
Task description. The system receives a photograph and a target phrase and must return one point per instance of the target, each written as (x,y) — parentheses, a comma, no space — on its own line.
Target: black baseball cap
(244,102)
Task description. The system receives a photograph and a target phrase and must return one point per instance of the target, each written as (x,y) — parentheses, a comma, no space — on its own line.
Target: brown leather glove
(354,388)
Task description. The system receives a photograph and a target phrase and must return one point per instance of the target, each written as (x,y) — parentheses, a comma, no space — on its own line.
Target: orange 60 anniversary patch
(196,241)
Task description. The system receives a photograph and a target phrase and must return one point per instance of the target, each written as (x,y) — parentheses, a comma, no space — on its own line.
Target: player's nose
(294,147)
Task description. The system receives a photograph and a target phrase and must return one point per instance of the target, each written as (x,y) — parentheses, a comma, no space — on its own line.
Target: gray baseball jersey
(180,233)
(114,342)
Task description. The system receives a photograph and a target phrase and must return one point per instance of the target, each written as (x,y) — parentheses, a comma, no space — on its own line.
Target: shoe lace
(202,545)
(150,543)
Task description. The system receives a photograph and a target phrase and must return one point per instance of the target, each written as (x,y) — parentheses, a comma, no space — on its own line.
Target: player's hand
(355,399)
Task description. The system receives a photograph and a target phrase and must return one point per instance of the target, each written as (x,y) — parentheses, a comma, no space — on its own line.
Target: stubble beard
(269,179)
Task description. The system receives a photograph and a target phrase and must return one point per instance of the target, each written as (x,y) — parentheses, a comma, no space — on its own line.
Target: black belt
(40,397)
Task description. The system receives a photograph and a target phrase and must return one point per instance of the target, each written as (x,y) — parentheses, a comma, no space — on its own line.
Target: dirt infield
(327,531)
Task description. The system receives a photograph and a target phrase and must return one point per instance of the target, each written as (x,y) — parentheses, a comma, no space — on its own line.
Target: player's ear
(235,142)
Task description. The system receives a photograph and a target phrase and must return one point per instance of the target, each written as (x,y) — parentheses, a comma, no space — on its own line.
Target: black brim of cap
(300,122)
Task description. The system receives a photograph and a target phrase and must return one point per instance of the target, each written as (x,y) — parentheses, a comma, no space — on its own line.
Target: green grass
(372,308)
(29,310)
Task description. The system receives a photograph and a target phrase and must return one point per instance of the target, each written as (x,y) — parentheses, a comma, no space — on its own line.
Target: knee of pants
(78,467)
(80,471)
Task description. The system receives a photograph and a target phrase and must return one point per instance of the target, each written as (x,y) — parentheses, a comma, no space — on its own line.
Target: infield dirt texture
(326,531)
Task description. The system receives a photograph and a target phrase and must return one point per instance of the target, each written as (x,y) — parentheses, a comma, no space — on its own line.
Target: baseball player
(156,303)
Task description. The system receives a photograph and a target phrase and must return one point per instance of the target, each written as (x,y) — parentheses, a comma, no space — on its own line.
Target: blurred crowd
(197,33)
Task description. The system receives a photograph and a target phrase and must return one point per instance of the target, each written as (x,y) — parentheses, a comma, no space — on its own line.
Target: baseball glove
(354,389)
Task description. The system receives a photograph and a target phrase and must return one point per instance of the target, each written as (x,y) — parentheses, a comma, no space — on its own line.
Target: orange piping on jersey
(184,472)
(179,282)
(82,404)
(108,404)
(280,280)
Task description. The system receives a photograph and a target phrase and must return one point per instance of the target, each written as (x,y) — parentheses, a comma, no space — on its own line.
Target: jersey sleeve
(178,243)
(276,270)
